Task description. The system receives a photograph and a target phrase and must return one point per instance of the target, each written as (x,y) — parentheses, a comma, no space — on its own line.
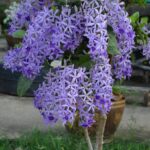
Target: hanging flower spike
(146,50)
(96,32)
(95,28)
(70,25)
(102,85)
(119,21)
(85,102)
(122,67)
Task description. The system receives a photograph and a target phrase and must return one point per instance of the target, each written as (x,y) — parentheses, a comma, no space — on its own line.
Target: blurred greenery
(65,141)
(112,44)
(23,85)
(2,15)
(139,2)
(19,34)
(138,24)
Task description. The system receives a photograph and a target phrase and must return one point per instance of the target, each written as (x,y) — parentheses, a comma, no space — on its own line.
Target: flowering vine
(51,32)
(55,32)
(118,19)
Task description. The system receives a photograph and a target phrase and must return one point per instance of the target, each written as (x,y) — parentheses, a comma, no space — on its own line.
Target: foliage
(70,2)
(139,2)
(23,85)
(19,34)
(2,15)
(138,25)
(112,44)
(64,141)
(10,12)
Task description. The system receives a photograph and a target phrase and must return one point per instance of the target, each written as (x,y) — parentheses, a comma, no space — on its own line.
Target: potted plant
(10,13)
(91,39)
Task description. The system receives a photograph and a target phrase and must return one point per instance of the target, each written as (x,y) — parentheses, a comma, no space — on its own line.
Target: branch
(88,139)
(101,122)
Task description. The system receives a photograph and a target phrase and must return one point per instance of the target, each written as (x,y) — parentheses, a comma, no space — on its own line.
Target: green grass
(63,141)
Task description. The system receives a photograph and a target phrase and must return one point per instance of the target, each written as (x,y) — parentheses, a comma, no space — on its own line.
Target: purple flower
(118,19)
(59,95)
(96,32)
(47,37)
(26,11)
(12,60)
(37,45)
(146,50)
(102,85)
(95,28)
(122,67)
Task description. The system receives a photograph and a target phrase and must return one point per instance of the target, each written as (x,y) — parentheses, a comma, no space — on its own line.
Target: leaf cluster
(139,2)
(138,24)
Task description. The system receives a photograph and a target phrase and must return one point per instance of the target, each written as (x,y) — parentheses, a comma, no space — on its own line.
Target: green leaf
(17,45)
(143,22)
(69,125)
(23,85)
(116,90)
(112,44)
(19,34)
(83,61)
(135,17)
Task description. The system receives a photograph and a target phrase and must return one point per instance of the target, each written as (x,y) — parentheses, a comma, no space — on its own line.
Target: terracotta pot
(113,120)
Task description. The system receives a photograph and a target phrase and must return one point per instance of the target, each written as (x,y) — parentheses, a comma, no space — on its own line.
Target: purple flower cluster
(146,50)
(102,85)
(47,37)
(12,60)
(71,25)
(85,102)
(26,11)
(95,28)
(65,90)
(96,32)
(51,31)
(122,66)
(118,20)
(36,46)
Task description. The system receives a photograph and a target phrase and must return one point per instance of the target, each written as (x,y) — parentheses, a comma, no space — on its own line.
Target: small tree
(83,36)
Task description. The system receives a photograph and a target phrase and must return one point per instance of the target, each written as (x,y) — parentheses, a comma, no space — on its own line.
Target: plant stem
(88,139)
(101,122)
